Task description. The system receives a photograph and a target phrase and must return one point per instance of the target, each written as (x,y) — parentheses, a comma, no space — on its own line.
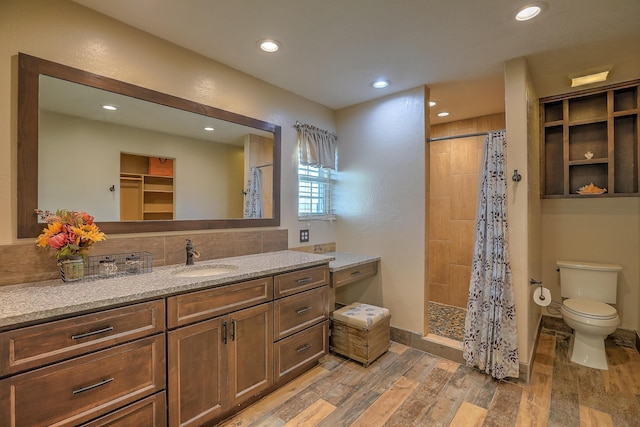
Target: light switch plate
(304,236)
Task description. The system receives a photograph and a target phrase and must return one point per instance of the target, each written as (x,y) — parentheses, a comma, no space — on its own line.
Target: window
(315,193)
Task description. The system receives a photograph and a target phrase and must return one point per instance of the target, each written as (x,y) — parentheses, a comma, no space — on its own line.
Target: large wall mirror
(154,163)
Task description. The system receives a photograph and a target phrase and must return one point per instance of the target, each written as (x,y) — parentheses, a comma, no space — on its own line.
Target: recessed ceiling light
(109,107)
(269,45)
(588,79)
(432,103)
(209,129)
(529,11)
(380,84)
(443,114)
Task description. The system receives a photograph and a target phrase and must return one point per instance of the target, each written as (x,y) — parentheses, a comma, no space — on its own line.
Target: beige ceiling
(332,49)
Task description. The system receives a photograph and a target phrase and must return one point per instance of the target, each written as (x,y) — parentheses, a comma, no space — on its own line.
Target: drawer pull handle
(91,387)
(96,332)
(224,332)
(303,310)
(303,348)
(233,329)
(356,273)
(305,280)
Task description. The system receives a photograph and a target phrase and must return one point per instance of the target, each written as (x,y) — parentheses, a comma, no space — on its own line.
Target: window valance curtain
(317,147)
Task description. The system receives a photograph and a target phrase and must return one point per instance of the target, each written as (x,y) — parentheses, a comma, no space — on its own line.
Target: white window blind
(315,193)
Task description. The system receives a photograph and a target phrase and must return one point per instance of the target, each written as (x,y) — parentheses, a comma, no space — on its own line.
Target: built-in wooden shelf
(604,122)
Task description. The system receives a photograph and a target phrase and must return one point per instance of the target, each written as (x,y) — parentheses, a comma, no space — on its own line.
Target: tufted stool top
(359,314)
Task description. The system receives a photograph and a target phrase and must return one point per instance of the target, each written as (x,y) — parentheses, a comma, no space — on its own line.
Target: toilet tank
(589,280)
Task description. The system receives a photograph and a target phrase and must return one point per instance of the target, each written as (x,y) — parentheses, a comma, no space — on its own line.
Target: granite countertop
(30,302)
(344,260)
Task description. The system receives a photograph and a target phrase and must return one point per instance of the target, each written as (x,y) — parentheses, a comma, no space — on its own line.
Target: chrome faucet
(191,253)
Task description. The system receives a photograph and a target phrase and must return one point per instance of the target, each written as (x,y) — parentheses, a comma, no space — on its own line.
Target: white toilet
(587,289)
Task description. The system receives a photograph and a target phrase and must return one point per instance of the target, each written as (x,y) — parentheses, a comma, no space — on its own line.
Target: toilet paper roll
(542,296)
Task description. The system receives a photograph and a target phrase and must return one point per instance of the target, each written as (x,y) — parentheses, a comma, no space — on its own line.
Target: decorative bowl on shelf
(591,189)
(588,155)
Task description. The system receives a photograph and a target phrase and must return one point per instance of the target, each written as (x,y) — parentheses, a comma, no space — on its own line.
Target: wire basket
(125,264)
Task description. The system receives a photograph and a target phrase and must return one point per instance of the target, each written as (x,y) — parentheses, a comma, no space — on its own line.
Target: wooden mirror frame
(29,70)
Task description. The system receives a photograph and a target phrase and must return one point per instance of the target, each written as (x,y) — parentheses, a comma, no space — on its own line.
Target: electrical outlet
(304,236)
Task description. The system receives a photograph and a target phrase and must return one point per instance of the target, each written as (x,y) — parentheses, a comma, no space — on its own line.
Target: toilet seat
(590,309)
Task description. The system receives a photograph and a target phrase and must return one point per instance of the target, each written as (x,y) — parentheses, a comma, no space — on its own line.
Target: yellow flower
(51,230)
(88,233)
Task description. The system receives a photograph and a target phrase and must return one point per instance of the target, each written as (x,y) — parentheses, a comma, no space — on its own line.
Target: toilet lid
(589,308)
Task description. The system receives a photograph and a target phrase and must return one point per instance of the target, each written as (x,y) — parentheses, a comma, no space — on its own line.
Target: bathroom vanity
(163,347)
(349,268)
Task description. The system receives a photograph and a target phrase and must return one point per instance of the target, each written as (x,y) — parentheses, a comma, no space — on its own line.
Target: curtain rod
(467,135)
(263,166)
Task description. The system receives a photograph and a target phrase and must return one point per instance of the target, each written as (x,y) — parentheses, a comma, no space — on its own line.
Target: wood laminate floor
(408,387)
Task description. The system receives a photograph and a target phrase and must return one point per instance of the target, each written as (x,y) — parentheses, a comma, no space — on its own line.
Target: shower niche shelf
(591,137)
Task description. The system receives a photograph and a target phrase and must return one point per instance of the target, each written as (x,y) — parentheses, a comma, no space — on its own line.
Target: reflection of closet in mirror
(258,153)
(146,188)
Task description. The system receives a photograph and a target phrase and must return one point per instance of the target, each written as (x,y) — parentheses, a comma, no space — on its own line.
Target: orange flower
(71,233)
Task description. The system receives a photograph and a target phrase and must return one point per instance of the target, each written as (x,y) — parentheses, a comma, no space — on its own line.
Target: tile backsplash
(25,262)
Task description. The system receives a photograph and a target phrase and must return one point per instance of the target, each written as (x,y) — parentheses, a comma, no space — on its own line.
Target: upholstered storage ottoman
(360,332)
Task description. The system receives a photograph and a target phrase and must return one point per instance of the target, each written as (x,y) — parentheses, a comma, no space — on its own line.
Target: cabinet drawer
(149,412)
(298,281)
(78,390)
(298,312)
(202,305)
(35,346)
(297,352)
(353,274)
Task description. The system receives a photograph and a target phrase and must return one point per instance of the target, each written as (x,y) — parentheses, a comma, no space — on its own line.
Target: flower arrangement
(71,233)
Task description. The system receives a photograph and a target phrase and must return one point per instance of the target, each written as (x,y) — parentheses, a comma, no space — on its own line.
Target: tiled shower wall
(454,171)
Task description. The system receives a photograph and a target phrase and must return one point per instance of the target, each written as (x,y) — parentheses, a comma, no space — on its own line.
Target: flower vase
(71,269)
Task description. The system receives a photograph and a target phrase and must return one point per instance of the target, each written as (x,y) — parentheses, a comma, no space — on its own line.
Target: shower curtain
(490,339)
(253,195)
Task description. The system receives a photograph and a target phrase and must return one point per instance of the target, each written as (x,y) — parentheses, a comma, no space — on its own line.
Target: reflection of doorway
(453,182)
(258,152)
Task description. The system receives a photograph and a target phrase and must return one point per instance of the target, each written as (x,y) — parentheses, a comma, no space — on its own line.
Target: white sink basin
(205,270)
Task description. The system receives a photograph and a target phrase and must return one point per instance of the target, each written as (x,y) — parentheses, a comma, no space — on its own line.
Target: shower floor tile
(446,321)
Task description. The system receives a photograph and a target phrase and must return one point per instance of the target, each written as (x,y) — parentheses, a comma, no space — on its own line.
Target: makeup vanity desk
(348,268)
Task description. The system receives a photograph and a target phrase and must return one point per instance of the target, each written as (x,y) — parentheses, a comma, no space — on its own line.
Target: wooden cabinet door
(250,352)
(197,372)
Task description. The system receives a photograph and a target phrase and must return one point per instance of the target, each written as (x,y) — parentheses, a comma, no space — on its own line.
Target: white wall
(522,216)
(599,230)
(380,197)
(65,32)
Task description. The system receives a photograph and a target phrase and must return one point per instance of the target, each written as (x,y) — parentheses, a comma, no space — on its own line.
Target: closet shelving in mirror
(143,194)
(591,137)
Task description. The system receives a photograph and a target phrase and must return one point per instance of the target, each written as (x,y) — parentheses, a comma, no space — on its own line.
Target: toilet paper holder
(534,282)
